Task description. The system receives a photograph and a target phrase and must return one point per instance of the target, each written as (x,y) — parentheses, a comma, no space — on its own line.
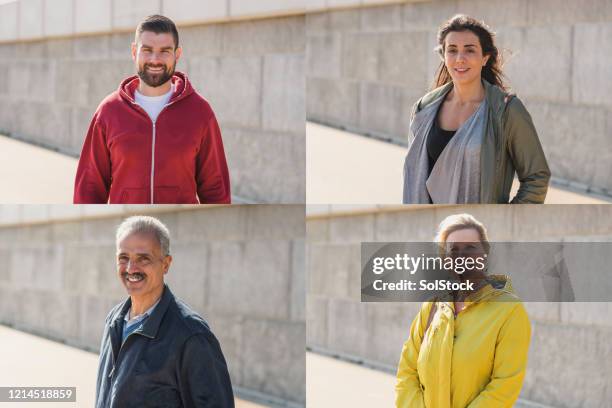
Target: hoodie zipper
(153,147)
(152,172)
(153,158)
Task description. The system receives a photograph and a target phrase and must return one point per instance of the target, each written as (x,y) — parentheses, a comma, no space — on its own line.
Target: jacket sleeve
(93,176)
(526,154)
(406,199)
(408,391)
(101,378)
(413,112)
(204,381)
(212,175)
(510,363)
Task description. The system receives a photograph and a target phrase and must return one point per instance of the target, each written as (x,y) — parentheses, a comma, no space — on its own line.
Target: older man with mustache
(156,351)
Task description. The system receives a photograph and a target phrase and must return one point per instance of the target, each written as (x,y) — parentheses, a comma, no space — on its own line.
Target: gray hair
(147,225)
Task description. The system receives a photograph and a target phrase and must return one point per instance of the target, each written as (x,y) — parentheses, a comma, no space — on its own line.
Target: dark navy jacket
(173,360)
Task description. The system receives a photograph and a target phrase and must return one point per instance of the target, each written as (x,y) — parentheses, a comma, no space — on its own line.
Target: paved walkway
(334,383)
(345,168)
(34,175)
(28,360)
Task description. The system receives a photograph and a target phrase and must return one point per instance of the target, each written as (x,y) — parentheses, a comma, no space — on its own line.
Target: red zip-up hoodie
(128,159)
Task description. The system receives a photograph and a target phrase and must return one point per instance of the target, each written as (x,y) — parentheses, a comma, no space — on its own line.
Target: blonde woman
(469,136)
(470,348)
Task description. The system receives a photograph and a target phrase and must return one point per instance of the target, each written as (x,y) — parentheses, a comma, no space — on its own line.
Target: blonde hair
(458,222)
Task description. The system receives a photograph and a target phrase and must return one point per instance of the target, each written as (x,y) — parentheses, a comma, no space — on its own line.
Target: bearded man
(155,140)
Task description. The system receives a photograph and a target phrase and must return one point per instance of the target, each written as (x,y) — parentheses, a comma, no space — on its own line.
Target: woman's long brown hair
(492,71)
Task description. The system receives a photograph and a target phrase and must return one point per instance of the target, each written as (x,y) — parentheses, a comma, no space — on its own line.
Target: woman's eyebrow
(465,46)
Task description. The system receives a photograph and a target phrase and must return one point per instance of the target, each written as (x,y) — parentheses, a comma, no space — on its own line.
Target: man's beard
(155,80)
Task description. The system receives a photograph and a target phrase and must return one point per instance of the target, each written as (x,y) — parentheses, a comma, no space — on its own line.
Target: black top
(437,140)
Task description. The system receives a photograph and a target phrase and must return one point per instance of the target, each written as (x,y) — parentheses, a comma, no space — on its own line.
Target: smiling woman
(468,135)
(468,347)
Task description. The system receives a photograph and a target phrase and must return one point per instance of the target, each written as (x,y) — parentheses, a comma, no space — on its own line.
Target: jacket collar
(150,327)
(183,87)
(495,96)
(497,285)
(434,95)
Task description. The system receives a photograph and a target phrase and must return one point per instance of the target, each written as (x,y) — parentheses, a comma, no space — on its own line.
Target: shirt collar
(166,96)
(142,316)
(151,326)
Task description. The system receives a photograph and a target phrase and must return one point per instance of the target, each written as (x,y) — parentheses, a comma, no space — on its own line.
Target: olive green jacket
(510,145)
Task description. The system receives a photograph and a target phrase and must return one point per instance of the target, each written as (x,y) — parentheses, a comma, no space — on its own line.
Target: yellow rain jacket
(476,359)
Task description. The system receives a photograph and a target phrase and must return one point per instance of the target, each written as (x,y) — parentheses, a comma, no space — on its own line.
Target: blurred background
(60,58)
(240,267)
(356,346)
(369,61)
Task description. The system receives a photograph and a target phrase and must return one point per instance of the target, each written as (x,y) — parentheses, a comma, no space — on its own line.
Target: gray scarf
(455,178)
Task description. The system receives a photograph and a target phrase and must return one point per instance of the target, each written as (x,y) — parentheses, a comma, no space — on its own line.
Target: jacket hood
(497,286)
(183,87)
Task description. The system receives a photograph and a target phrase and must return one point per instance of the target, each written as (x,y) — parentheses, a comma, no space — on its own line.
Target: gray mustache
(140,275)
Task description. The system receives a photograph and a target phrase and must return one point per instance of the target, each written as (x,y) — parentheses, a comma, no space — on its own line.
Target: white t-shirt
(153,104)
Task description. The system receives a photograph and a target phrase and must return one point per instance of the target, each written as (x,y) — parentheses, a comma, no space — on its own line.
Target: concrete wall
(570,352)
(367,66)
(29,19)
(241,267)
(60,61)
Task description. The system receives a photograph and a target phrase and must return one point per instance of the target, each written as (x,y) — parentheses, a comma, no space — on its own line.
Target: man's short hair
(158,24)
(141,224)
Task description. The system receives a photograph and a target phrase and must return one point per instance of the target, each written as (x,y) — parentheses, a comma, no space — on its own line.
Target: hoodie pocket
(167,195)
(134,196)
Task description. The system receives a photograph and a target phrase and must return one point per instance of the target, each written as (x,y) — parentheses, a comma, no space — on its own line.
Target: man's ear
(177,53)
(167,263)
(134,49)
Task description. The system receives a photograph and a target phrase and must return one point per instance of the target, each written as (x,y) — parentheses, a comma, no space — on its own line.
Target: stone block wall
(59,59)
(367,65)
(240,267)
(569,354)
